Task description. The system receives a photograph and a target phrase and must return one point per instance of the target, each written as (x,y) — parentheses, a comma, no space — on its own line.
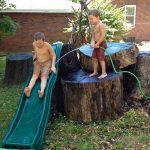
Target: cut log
(18,68)
(123,55)
(143,73)
(91,99)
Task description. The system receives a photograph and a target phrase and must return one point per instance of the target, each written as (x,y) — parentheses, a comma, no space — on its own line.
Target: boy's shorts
(42,69)
(99,53)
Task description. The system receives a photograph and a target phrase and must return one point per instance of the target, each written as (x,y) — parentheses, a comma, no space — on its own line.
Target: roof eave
(37,11)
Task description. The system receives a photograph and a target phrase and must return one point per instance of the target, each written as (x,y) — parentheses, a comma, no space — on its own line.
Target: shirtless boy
(98,42)
(44,64)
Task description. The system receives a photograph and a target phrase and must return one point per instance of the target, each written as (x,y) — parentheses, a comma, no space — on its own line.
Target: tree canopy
(111,16)
(7,25)
(5,5)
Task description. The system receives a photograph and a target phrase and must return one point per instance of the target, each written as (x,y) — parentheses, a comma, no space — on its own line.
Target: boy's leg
(32,81)
(28,89)
(43,85)
(95,65)
(103,66)
(35,76)
(45,71)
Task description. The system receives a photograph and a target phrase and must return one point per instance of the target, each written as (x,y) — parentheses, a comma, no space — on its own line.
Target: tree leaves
(4,5)
(7,26)
(111,16)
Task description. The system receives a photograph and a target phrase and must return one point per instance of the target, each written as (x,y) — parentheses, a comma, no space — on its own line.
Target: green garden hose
(128,72)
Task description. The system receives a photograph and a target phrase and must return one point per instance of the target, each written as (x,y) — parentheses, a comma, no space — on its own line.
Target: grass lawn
(9,97)
(129,132)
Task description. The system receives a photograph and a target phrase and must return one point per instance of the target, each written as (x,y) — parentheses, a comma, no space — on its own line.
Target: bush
(111,16)
(7,27)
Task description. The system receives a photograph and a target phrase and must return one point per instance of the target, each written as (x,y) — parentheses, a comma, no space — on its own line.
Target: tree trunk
(143,73)
(91,99)
(18,68)
(123,55)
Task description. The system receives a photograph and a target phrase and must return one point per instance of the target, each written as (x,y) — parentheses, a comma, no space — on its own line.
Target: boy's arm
(92,39)
(53,56)
(33,52)
(52,53)
(103,34)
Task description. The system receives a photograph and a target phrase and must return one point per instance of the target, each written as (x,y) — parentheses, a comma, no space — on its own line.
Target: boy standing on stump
(98,42)
(43,65)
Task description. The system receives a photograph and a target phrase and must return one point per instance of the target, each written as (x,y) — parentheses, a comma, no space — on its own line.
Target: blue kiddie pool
(113,48)
(123,55)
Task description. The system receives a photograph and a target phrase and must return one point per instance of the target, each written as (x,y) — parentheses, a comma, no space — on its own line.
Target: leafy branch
(111,16)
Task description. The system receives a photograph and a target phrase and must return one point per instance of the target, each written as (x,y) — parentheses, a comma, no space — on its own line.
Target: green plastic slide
(28,127)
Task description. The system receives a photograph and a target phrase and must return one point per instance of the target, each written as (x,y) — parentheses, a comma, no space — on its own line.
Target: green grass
(2,66)
(9,97)
(129,132)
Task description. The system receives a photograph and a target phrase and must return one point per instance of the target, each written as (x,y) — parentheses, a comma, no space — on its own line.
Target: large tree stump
(91,99)
(123,55)
(18,68)
(143,73)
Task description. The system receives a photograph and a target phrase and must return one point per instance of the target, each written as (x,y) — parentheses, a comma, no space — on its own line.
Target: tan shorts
(42,69)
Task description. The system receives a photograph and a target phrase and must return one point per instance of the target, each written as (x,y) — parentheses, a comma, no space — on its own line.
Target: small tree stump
(123,55)
(91,99)
(143,73)
(18,67)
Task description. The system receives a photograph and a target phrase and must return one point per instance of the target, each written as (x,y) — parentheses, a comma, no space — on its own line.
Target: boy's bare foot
(93,74)
(27,91)
(102,76)
(40,94)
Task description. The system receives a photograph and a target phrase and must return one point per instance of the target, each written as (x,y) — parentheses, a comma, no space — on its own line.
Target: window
(130,14)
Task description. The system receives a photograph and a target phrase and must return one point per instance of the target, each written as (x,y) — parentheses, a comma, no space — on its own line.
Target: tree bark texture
(18,68)
(143,73)
(91,99)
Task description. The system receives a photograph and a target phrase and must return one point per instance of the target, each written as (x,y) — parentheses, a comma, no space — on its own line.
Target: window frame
(134,15)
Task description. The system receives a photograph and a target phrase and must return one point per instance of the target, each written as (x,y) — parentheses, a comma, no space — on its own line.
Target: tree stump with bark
(143,73)
(91,99)
(18,68)
(123,55)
